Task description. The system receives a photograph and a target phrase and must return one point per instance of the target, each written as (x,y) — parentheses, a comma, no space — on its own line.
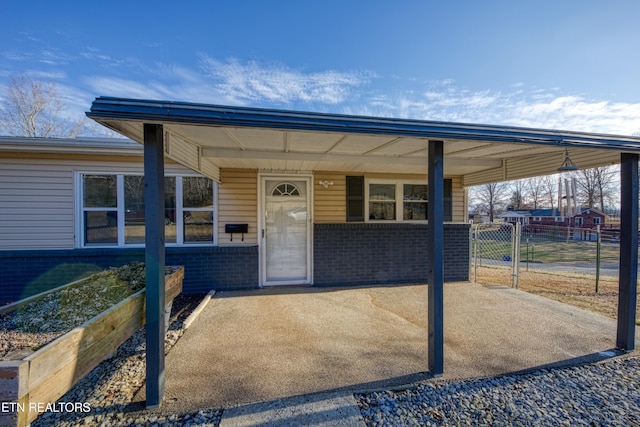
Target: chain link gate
(495,256)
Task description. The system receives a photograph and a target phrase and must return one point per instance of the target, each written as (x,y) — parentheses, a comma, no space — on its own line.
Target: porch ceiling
(207,138)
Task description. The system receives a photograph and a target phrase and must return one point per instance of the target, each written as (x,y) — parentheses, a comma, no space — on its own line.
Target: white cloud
(443,101)
(577,113)
(53,57)
(162,82)
(125,88)
(252,82)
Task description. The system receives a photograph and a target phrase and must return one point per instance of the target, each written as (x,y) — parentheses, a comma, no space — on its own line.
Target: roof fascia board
(107,108)
(74,146)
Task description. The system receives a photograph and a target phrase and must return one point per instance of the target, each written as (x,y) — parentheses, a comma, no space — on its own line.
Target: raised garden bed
(37,377)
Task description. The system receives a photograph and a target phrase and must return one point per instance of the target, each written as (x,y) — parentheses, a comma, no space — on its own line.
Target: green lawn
(548,252)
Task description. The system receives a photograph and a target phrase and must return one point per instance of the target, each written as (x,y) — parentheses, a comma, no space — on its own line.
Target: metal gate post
(598,255)
(516,255)
(470,246)
(475,254)
(513,254)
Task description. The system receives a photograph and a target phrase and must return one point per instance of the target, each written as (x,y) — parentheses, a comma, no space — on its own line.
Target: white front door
(286,231)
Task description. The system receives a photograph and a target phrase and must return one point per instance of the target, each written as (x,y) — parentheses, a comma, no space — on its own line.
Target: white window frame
(578,220)
(180,208)
(597,220)
(399,192)
(120,208)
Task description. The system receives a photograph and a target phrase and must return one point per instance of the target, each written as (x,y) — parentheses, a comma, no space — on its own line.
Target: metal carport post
(628,273)
(435,249)
(154,261)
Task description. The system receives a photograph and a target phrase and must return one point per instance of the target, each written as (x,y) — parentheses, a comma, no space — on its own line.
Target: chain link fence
(493,251)
(505,254)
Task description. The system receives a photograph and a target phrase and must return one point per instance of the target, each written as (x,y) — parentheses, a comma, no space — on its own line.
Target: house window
(578,220)
(415,202)
(100,209)
(112,210)
(198,209)
(382,201)
(400,200)
(559,219)
(286,189)
(596,220)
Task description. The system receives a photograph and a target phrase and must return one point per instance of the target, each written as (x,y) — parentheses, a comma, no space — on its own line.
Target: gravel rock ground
(109,389)
(602,394)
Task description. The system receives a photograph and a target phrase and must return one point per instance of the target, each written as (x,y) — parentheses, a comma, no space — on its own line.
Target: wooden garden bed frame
(29,384)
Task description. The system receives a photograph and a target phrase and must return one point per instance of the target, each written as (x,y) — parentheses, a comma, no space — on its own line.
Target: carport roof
(209,137)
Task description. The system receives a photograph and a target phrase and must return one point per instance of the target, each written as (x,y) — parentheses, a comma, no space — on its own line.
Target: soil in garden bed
(33,325)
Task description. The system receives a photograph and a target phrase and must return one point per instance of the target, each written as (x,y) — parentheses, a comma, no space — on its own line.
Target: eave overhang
(225,136)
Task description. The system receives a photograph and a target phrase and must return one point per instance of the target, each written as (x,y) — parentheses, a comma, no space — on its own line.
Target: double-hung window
(111,208)
(100,209)
(400,200)
(382,201)
(414,206)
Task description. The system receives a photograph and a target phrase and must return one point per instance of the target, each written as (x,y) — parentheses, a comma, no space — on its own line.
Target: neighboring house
(587,218)
(479,217)
(69,206)
(590,218)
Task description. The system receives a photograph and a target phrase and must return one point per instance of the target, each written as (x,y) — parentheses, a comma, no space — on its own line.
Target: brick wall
(27,272)
(344,254)
(365,253)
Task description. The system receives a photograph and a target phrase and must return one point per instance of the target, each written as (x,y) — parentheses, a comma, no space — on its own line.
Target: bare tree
(518,193)
(587,187)
(596,187)
(33,108)
(536,191)
(490,196)
(550,189)
(608,187)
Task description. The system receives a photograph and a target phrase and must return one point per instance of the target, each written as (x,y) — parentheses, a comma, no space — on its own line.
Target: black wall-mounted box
(236,228)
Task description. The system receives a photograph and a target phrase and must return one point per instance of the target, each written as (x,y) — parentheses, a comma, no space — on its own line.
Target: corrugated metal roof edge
(112,108)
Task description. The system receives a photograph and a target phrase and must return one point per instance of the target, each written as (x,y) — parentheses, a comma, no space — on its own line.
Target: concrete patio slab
(263,345)
(321,410)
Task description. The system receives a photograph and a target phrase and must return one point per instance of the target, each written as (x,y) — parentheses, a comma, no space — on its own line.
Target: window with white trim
(382,201)
(398,200)
(596,220)
(414,206)
(111,210)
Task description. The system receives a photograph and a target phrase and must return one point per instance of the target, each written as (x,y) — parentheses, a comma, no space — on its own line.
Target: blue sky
(570,64)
